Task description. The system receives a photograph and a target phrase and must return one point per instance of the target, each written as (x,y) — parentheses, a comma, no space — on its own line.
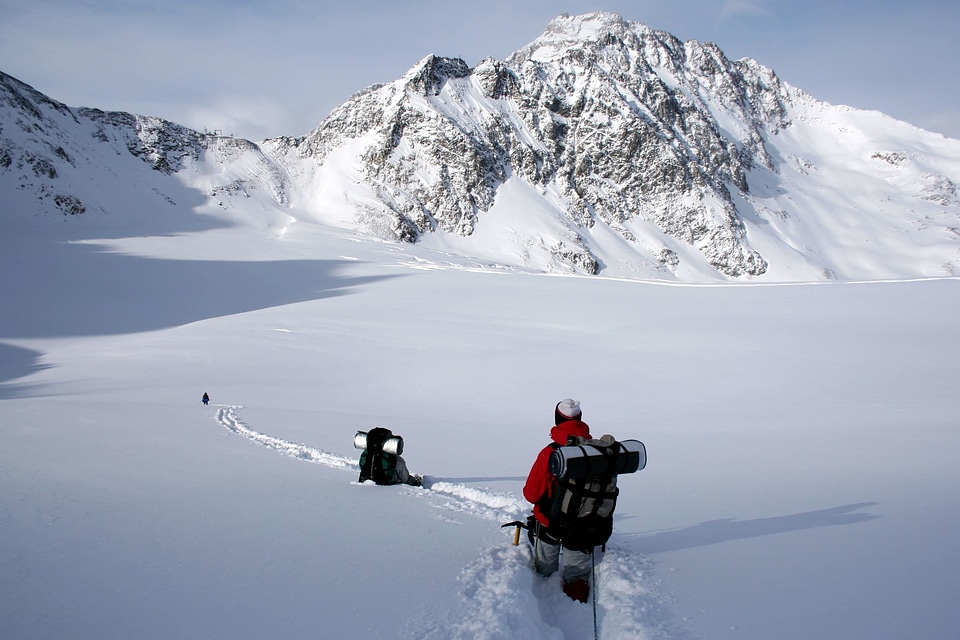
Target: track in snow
(483,503)
(502,597)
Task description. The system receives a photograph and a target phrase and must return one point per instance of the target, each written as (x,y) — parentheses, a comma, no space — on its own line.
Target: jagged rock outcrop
(52,140)
(602,146)
(613,116)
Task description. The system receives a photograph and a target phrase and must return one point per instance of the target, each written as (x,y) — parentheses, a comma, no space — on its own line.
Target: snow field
(801,445)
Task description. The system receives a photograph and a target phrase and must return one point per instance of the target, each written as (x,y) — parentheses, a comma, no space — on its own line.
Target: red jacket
(541,483)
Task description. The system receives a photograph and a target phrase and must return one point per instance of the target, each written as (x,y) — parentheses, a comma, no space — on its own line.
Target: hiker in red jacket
(539,489)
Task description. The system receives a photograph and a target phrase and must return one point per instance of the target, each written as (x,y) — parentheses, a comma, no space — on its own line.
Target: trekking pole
(593,571)
(516,534)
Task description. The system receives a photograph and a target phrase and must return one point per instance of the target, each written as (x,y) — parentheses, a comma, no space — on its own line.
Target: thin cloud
(735,8)
(286,63)
(254,118)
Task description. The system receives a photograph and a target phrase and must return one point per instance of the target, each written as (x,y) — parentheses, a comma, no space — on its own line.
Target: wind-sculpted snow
(483,503)
(504,599)
(631,602)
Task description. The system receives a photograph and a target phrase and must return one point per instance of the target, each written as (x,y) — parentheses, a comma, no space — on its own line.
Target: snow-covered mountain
(602,147)
(802,439)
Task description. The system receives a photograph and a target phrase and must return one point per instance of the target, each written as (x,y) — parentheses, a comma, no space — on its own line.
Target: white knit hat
(569,407)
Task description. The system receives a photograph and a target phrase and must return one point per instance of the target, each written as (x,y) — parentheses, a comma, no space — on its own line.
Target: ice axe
(516,534)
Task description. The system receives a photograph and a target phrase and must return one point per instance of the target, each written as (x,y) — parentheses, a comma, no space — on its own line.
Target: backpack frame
(585,496)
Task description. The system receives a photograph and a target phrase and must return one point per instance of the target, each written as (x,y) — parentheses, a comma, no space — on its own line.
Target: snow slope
(802,442)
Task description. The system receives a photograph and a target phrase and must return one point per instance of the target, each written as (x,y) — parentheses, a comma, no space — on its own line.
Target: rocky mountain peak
(566,31)
(603,145)
(615,119)
(429,75)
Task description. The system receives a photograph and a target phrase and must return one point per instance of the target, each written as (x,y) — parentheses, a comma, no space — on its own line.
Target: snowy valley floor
(802,447)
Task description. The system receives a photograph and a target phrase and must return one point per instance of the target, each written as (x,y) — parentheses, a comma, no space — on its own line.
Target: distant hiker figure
(539,490)
(381,461)
(205,399)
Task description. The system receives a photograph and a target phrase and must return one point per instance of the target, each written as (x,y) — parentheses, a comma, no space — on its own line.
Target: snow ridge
(229,417)
(451,496)
(503,599)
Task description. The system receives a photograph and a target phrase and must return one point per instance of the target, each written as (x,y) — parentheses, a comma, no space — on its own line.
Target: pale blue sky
(260,69)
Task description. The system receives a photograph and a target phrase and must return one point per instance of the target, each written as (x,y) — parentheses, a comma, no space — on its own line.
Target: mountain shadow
(80,290)
(74,290)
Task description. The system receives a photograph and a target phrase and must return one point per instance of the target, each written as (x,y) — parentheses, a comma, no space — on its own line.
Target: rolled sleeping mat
(392,445)
(360,440)
(587,460)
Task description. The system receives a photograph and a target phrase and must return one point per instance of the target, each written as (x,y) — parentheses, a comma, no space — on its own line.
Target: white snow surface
(802,441)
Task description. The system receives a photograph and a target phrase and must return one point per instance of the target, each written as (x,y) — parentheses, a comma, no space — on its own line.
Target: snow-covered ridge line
(602,148)
(483,503)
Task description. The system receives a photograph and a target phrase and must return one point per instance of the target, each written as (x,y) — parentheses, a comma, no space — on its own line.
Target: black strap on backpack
(581,512)
(581,509)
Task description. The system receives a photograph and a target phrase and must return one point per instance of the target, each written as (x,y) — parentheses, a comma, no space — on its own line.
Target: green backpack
(378,461)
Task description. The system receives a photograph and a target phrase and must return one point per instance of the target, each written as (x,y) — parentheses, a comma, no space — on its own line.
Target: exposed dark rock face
(616,118)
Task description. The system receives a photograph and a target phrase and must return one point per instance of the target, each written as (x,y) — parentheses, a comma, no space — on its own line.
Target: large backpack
(581,508)
(378,462)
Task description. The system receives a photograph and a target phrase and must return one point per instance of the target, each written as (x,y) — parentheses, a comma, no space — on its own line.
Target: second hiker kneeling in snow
(381,461)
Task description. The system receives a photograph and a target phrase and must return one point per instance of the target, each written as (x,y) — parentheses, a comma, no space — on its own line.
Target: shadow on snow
(727,529)
(81,290)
